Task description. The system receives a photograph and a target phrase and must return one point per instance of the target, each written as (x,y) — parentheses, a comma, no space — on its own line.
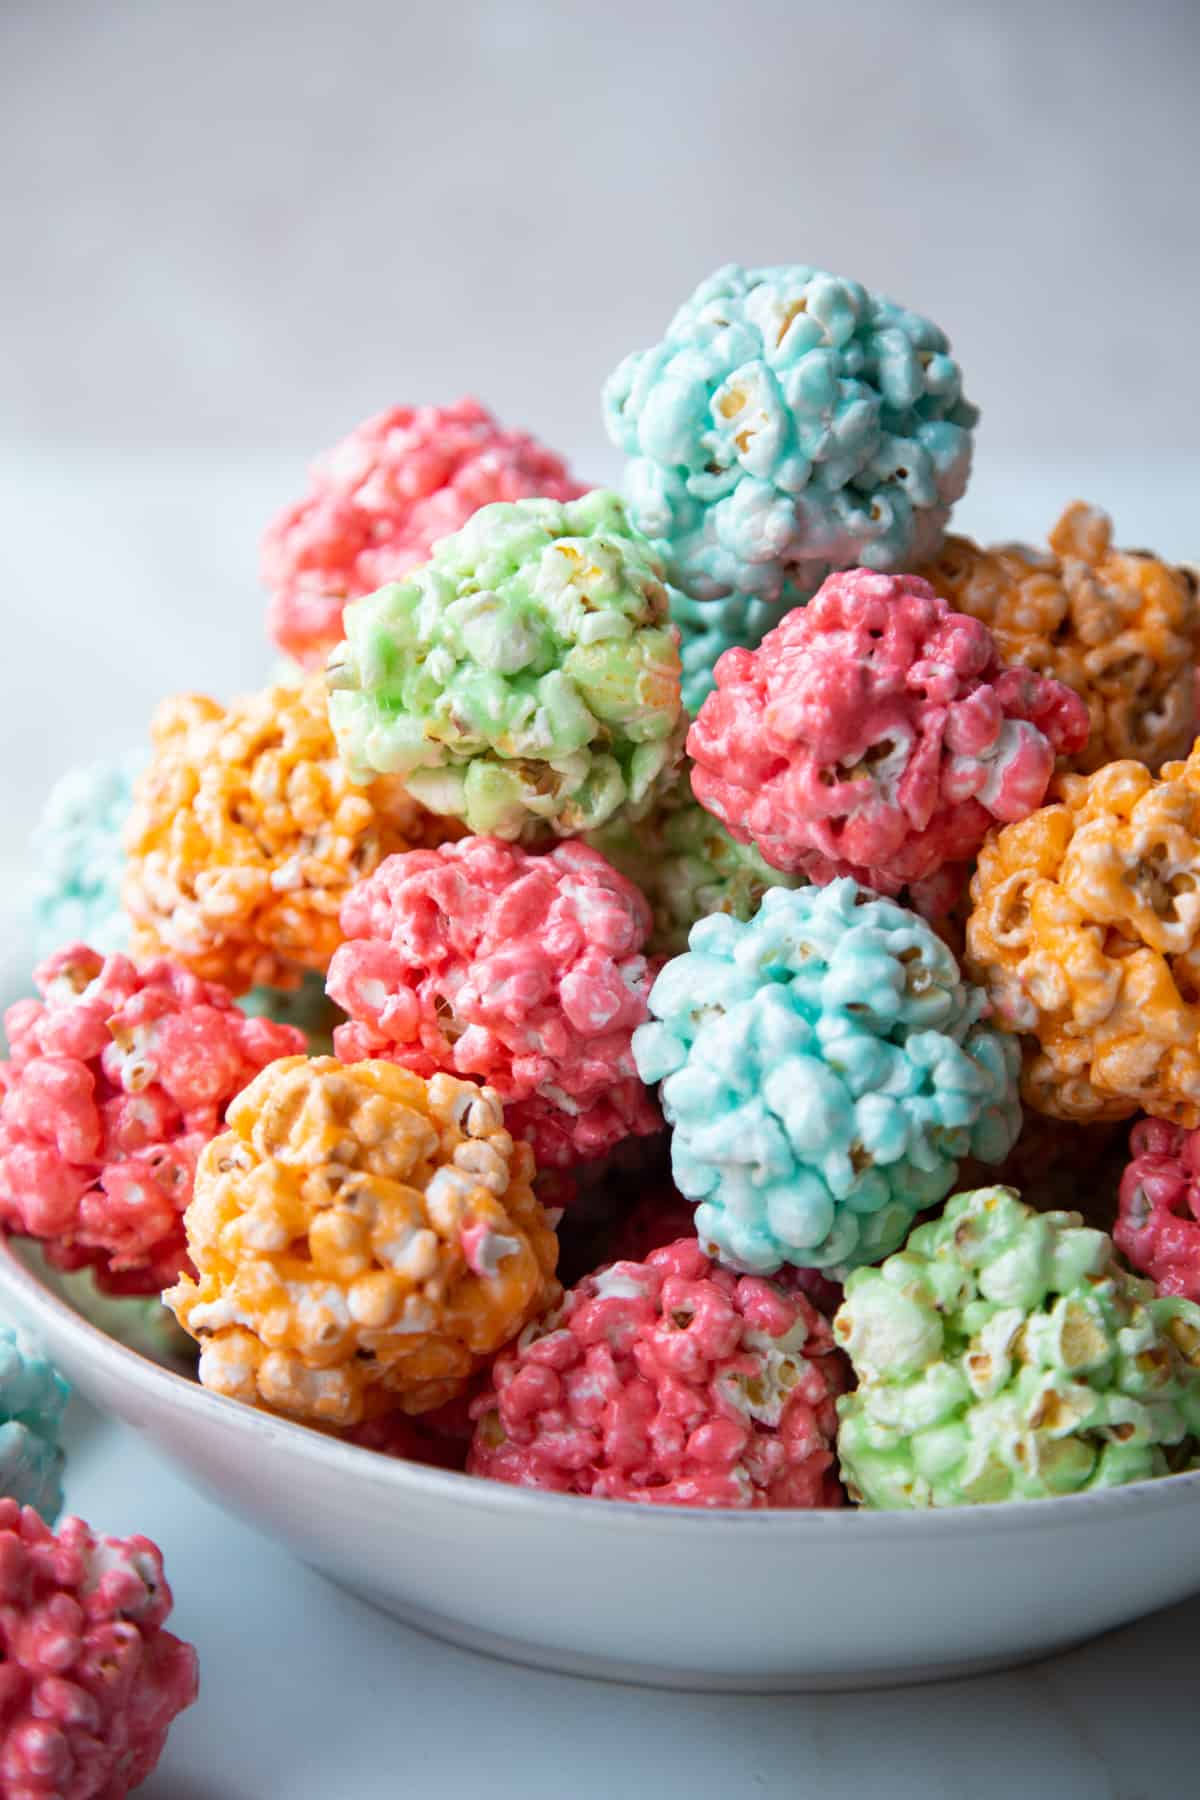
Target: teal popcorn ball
(79,860)
(525,679)
(1005,1354)
(707,628)
(32,1397)
(825,1068)
(790,423)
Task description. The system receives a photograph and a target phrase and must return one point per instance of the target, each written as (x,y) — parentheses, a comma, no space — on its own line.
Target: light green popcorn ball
(686,864)
(1005,1354)
(525,679)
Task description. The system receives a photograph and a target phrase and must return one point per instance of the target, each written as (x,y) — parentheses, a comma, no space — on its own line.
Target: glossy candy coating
(117,1078)
(1085,930)
(90,1682)
(789,423)
(247,833)
(363,1240)
(825,1068)
(525,679)
(1118,626)
(379,500)
(526,972)
(1004,1354)
(674,1382)
(875,733)
(687,864)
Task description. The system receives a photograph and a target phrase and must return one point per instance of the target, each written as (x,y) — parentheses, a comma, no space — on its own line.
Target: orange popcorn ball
(1118,626)
(246,834)
(364,1240)
(1085,931)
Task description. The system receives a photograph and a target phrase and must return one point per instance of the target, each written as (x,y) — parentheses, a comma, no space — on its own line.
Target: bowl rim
(388,1473)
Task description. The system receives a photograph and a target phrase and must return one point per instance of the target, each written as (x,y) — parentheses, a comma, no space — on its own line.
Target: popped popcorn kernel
(525,679)
(790,423)
(117,1078)
(363,1238)
(671,1381)
(377,503)
(1004,1354)
(247,832)
(525,972)
(875,733)
(1158,1227)
(92,1681)
(1120,627)
(824,1068)
(1085,931)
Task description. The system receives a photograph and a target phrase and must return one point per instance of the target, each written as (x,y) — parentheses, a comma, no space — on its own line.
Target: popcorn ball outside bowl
(247,834)
(32,1398)
(526,972)
(789,423)
(877,734)
(674,1382)
(525,679)
(1120,627)
(825,1068)
(1085,932)
(363,1239)
(117,1078)
(377,503)
(91,1680)
(1005,1354)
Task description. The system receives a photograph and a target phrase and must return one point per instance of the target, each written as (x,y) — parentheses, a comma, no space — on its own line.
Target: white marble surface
(308,1694)
(123,577)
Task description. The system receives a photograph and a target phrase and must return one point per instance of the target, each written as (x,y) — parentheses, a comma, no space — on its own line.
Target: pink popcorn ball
(877,734)
(118,1078)
(672,1380)
(1158,1216)
(89,1680)
(524,971)
(377,503)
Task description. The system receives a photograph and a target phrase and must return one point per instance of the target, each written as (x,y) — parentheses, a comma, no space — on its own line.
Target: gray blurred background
(233,229)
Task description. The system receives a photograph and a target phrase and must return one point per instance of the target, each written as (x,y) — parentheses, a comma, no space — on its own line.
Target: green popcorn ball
(686,864)
(526,679)
(1005,1354)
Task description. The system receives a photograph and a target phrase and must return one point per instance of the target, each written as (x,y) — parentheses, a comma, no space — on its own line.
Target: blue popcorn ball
(825,1067)
(790,423)
(32,1397)
(79,859)
(707,628)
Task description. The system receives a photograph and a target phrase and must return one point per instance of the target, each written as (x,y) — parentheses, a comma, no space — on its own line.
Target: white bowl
(759,1602)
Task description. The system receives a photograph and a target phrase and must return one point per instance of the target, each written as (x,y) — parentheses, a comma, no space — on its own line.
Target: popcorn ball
(526,679)
(876,734)
(32,1397)
(378,502)
(1118,626)
(672,1381)
(247,833)
(789,423)
(79,859)
(364,1239)
(1004,1354)
(526,971)
(825,1068)
(118,1078)
(687,864)
(1085,930)
(1158,1225)
(91,1680)
(707,628)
